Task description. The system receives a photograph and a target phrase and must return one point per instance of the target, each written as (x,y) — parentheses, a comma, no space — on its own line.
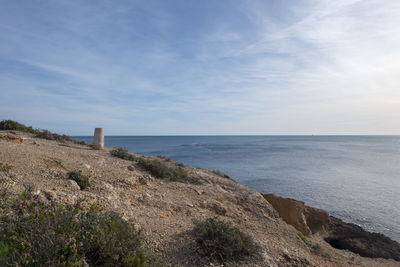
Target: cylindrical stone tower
(98,140)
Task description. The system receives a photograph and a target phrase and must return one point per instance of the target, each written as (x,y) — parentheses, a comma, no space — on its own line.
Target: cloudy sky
(202,67)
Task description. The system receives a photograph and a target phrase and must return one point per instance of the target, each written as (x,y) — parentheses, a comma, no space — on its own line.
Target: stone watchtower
(98,140)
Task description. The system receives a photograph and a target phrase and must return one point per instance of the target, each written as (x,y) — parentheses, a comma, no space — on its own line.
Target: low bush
(162,170)
(79,178)
(157,167)
(163,157)
(4,167)
(13,125)
(123,154)
(82,143)
(44,134)
(36,234)
(221,241)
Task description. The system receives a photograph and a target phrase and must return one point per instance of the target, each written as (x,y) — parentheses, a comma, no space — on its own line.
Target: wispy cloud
(252,67)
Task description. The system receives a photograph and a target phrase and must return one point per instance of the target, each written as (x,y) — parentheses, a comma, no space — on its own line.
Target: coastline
(170,206)
(354,179)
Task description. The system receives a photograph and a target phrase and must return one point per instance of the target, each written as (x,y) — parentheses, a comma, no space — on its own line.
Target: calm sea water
(355,178)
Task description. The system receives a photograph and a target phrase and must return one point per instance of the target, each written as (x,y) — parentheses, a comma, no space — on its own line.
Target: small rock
(142,180)
(199,191)
(131,168)
(220,189)
(73,184)
(87,166)
(108,186)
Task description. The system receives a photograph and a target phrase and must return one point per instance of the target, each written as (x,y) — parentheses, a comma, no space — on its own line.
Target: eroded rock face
(352,237)
(306,219)
(337,233)
(11,138)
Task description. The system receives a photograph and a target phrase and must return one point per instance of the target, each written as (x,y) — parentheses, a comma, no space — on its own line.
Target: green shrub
(221,241)
(36,234)
(123,154)
(82,143)
(46,134)
(163,157)
(13,125)
(302,237)
(5,167)
(157,167)
(79,178)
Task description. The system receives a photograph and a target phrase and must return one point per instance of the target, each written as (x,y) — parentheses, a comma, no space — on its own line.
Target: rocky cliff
(341,235)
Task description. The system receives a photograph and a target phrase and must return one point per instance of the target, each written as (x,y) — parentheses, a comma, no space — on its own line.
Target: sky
(185,67)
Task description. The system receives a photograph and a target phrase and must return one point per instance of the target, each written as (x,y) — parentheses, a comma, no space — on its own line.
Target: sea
(354,178)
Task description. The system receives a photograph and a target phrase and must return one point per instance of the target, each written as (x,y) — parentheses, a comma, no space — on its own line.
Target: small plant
(219,173)
(163,157)
(221,241)
(46,134)
(158,168)
(123,154)
(302,237)
(79,178)
(5,167)
(82,143)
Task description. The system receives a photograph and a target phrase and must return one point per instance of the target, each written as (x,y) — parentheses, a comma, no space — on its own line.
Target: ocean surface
(355,178)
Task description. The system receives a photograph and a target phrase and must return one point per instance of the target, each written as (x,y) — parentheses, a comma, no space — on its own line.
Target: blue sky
(202,67)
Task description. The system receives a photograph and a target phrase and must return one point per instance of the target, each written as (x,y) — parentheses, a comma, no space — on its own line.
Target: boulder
(352,237)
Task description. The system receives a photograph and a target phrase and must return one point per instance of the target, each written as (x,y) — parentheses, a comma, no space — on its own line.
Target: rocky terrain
(165,209)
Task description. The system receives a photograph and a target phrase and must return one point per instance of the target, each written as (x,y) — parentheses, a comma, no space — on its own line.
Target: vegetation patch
(13,125)
(223,175)
(77,237)
(123,154)
(44,134)
(158,167)
(4,167)
(164,157)
(79,178)
(221,241)
(82,143)
(302,237)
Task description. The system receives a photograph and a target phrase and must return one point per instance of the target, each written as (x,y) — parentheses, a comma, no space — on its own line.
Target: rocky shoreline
(339,234)
(165,209)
